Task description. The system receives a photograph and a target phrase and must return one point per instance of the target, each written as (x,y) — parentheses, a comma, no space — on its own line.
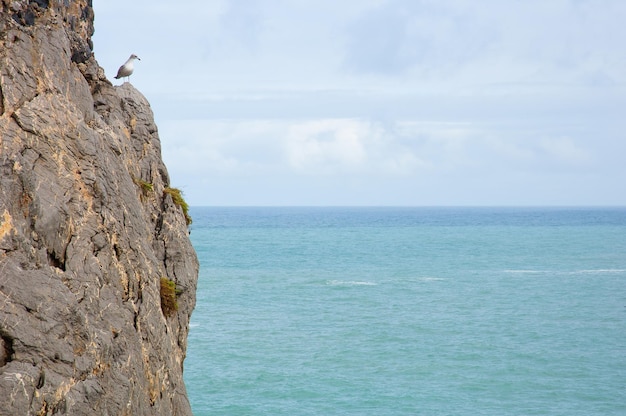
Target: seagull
(127,69)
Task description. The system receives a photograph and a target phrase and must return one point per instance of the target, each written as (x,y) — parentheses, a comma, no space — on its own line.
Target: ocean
(409,311)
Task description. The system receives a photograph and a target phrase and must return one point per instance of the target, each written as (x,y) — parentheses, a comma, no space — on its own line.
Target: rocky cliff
(89,231)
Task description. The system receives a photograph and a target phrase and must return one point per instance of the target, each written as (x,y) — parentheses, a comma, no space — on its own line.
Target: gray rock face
(86,230)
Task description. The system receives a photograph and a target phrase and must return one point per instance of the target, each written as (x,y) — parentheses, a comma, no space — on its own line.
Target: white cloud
(565,150)
(380,101)
(338,147)
(489,42)
(325,160)
(222,147)
(328,146)
(297,147)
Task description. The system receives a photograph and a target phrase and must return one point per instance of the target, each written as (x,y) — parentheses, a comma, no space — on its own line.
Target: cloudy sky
(381,102)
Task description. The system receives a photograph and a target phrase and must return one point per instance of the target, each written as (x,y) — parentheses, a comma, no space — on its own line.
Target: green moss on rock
(169,305)
(177,197)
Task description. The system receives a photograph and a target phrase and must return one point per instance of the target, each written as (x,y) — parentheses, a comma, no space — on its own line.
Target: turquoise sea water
(409,311)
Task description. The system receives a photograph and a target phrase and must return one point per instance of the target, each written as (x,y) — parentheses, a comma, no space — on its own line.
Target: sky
(380,102)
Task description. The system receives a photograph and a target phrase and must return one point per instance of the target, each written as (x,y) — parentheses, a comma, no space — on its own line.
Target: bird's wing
(119,72)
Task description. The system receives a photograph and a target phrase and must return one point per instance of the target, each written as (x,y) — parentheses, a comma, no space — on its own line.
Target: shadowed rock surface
(86,230)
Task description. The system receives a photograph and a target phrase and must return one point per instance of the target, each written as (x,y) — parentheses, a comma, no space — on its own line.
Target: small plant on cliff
(177,197)
(146,187)
(169,305)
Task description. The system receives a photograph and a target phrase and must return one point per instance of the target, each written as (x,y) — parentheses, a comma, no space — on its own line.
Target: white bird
(126,69)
